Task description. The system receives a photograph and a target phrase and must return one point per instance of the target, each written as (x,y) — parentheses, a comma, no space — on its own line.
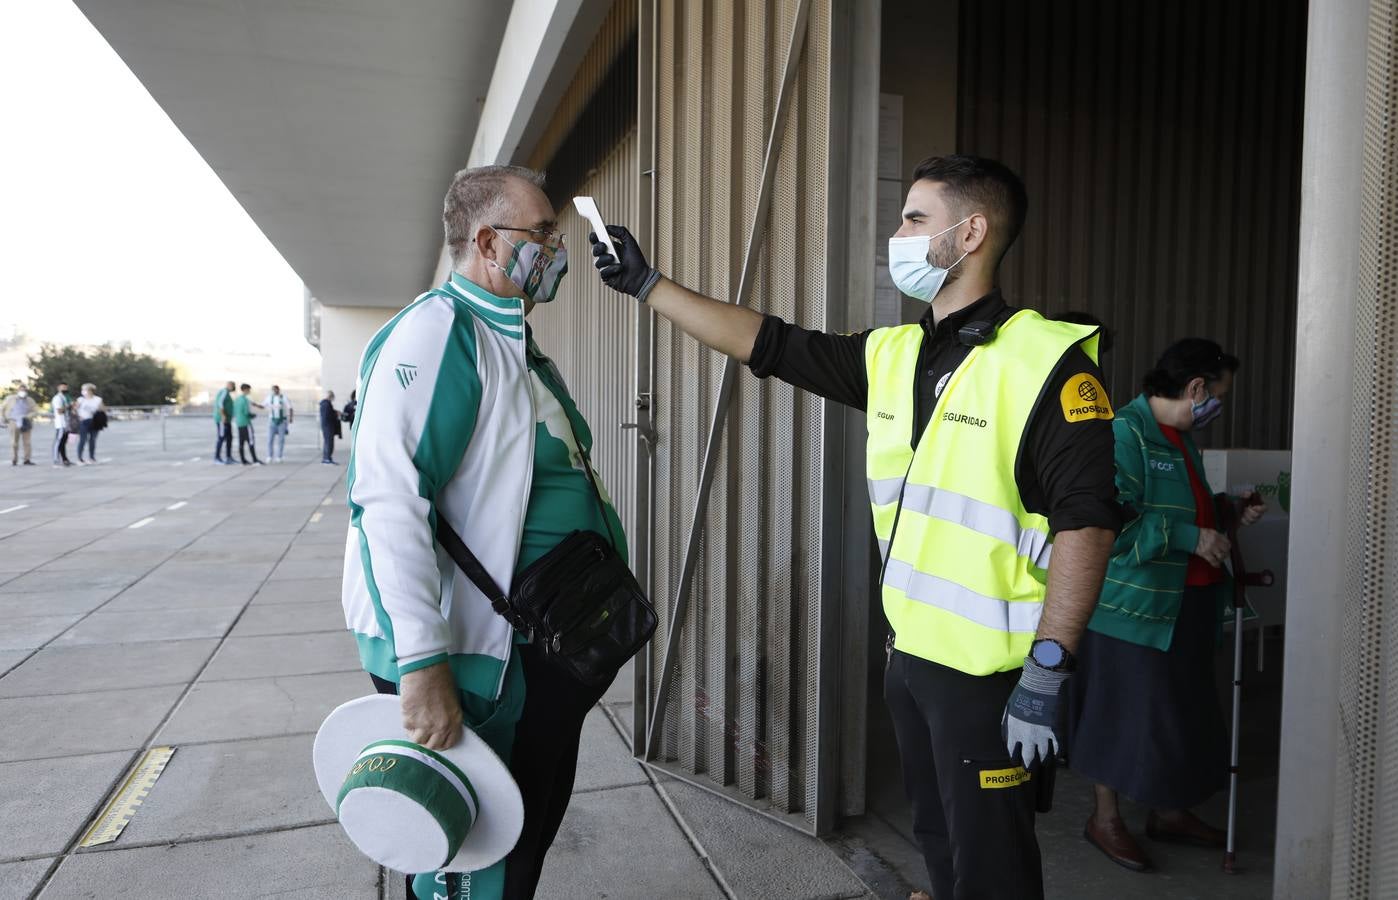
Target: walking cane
(1242,580)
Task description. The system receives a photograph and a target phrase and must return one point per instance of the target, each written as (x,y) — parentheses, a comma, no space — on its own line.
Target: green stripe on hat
(419,782)
(448,764)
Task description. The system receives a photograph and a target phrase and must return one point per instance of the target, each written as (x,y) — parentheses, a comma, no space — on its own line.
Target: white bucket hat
(409,808)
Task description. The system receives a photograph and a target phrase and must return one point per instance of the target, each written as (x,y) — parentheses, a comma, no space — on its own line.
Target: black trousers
(223,442)
(973,810)
(543,761)
(246,439)
(327,442)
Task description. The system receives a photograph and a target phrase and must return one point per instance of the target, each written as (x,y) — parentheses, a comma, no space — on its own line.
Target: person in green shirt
(1144,718)
(223,425)
(242,418)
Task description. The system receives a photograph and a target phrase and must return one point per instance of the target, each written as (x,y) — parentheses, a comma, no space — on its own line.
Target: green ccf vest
(965,563)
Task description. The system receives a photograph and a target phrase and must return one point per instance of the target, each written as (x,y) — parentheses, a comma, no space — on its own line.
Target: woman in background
(1144,715)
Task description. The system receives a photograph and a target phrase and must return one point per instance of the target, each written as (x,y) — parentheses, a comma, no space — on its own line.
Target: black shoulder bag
(579,602)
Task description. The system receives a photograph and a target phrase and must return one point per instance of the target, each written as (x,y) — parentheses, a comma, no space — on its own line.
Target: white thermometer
(587,208)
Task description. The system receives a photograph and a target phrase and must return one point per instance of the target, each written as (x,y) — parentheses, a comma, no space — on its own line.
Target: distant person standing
(279,415)
(18,411)
(329,429)
(92,418)
(223,425)
(62,406)
(347,414)
(242,418)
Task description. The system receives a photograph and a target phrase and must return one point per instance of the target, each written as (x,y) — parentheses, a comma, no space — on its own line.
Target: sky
(112,227)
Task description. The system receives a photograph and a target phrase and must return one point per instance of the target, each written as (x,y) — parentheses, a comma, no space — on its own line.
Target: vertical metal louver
(589,147)
(742,712)
(1365,862)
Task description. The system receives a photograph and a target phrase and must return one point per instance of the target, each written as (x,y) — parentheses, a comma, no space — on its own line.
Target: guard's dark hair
(974,184)
(244,387)
(1182,362)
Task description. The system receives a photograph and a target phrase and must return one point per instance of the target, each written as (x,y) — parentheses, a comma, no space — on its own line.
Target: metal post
(725,391)
(644,512)
(1327,287)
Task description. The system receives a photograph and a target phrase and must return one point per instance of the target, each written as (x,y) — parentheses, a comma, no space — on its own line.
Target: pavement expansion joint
(207,838)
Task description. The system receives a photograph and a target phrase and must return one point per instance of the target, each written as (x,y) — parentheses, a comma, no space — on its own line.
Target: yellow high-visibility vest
(965,563)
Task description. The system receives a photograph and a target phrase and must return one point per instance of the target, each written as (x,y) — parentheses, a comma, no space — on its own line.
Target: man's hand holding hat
(431,708)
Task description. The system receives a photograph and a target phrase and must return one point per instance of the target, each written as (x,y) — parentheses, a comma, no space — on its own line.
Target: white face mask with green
(535,269)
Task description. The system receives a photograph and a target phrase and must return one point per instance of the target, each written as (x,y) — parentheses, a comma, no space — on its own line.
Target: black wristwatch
(1051,655)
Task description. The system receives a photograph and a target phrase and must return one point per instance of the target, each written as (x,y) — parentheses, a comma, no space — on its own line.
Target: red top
(1200,573)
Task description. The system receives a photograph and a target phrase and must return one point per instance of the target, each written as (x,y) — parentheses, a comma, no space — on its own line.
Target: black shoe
(28,463)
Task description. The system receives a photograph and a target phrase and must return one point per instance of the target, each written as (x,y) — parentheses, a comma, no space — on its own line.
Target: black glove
(631,274)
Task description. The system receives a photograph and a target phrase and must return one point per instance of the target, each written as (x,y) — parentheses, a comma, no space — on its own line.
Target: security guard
(989,453)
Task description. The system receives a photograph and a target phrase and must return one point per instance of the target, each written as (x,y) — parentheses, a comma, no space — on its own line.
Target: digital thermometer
(587,208)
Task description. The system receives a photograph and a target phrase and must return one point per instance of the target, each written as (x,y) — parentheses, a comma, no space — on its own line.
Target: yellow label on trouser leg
(1004,778)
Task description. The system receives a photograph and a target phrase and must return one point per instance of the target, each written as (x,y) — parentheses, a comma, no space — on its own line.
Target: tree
(123,378)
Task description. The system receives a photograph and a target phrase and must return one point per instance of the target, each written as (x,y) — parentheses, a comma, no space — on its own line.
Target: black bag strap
(466,560)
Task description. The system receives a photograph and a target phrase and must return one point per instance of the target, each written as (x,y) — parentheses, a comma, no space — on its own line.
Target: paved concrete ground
(159,599)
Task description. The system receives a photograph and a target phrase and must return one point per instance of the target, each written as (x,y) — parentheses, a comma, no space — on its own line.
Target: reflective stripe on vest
(964,575)
(950,506)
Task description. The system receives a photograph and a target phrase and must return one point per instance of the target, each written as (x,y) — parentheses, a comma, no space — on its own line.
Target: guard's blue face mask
(910,264)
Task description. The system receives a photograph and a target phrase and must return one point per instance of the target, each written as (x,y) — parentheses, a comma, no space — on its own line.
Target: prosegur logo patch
(1083,398)
(994,779)
(406,374)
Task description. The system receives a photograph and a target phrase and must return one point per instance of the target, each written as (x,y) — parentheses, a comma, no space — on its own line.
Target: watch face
(1047,654)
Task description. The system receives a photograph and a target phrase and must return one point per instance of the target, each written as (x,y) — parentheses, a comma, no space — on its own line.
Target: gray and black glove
(1031,715)
(631,274)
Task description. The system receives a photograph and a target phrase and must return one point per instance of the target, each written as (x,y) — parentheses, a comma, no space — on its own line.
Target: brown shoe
(1190,829)
(1117,843)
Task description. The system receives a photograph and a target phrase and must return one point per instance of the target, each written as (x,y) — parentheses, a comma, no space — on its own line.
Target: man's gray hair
(477,198)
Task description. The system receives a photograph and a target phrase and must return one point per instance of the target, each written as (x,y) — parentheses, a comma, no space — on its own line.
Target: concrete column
(344,330)
(1326,288)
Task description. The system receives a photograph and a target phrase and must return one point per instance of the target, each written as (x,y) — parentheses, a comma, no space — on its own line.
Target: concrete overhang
(335,123)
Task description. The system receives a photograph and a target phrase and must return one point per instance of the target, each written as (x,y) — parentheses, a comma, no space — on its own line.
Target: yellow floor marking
(117,813)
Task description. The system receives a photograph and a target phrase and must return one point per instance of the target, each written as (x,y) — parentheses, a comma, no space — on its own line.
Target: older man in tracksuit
(463,419)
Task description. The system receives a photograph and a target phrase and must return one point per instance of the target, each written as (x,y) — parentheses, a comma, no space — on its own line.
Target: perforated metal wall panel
(1365,863)
(589,148)
(588,331)
(1160,145)
(742,714)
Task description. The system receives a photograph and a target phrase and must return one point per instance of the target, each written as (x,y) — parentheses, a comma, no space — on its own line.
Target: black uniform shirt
(1065,469)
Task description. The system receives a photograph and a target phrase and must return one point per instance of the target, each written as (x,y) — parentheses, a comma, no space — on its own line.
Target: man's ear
(1189,389)
(485,242)
(977,230)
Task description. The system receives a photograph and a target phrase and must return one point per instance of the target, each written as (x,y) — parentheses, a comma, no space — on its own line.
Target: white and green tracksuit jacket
(445,429)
